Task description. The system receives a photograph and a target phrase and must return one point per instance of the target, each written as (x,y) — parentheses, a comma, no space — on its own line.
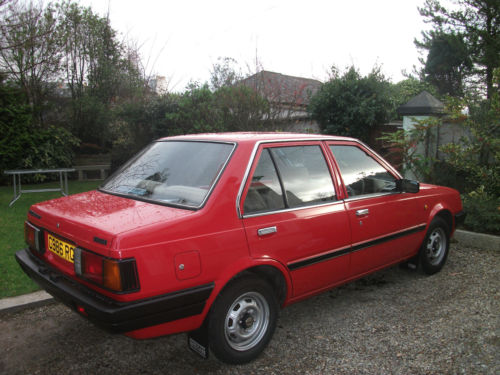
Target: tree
(478,23)
(30,52)
(448,62)
(351,105)
(224,73)
(20,146)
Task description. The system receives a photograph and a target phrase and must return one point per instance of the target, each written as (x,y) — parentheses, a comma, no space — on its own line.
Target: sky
(182,39)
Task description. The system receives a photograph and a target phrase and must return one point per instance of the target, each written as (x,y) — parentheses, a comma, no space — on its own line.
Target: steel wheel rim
(246,321)
(435,248)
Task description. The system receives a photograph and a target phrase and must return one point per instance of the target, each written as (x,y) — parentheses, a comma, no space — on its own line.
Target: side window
(288,177)
(265,192)
(304,174)
(361,173)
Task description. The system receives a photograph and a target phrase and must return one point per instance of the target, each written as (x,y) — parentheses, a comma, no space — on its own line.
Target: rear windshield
(172,172)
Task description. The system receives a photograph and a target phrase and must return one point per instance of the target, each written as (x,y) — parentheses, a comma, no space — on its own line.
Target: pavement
(42,298)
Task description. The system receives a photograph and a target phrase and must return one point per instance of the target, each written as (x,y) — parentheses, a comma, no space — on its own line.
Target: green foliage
(23,145)
(476,22)
(196,111)
(483,211)
(351,105)
(415,148)
(137,123)
(241,108)
(29,51)
(448,62)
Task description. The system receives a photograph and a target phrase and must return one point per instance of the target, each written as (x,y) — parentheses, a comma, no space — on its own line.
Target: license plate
(61,248)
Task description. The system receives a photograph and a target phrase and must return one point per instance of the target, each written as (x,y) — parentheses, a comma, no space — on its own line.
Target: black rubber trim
(391,237)
(344,251)
(34,214)
(460,218)
(321,258)
(110,314)
(100,240)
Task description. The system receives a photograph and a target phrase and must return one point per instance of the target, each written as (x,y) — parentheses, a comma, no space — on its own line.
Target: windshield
(172,172)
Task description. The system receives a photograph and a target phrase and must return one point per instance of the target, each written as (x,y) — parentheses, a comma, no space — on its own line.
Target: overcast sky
(183,39)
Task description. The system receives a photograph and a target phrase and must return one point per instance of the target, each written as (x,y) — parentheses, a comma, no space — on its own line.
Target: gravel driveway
(393,322)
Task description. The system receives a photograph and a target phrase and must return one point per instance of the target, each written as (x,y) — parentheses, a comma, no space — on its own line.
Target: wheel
(434,250)
(243,320)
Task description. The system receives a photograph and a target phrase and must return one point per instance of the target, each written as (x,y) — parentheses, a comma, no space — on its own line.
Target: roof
(422,104)
(252,137)
(281,88)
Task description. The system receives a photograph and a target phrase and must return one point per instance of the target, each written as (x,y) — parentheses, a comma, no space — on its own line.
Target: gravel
(393,322)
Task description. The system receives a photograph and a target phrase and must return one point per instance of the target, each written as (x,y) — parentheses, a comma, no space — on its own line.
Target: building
(288,97)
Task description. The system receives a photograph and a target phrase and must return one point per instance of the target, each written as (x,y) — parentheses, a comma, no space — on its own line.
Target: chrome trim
(332,139)
(362,212)
(254,152)
(284,210)
(366,196)
(268,230)
(245,177)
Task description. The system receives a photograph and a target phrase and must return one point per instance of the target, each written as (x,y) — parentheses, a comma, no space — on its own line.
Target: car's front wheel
(243,320)
(435,247)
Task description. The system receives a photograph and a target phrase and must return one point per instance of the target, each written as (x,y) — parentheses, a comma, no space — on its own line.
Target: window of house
(361,173)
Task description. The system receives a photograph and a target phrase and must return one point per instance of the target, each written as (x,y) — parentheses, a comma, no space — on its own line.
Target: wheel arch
(270,270)
(445,214)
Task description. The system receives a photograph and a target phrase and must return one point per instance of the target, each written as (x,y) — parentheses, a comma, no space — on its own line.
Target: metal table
(16,177)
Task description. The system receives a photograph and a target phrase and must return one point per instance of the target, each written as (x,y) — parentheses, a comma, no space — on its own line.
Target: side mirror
(408,186)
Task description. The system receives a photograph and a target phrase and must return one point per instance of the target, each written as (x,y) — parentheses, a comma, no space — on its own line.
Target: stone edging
(479,240)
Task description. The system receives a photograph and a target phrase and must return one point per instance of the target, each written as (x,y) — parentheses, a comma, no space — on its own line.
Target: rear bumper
(110,314)
(460,218)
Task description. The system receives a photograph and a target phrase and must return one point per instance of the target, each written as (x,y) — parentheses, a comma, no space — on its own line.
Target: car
(213,234)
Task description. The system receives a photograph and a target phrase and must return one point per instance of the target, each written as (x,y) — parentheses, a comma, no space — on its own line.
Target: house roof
(281,88)
(422,104)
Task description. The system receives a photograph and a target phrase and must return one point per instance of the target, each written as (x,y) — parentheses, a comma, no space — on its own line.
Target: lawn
(13,281)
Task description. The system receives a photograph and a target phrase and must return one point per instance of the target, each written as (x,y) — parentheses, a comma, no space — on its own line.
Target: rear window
(172,172)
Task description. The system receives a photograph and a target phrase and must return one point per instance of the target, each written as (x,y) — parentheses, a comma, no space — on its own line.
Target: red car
(212,234)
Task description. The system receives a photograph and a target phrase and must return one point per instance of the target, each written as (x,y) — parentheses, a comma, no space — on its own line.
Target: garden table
(16,176)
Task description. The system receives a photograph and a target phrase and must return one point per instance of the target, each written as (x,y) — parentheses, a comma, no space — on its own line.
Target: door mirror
(408,186)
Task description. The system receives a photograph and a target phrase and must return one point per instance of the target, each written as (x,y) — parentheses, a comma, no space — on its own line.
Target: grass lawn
(13,281)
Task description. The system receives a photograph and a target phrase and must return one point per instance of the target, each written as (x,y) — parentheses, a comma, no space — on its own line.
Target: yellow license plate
(61,248)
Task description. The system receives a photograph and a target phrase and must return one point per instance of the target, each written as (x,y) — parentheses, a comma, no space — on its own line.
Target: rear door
(291,214)
(384,222)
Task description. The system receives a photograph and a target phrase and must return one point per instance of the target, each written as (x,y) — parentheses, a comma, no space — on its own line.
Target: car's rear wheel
(435,247)
(243,320)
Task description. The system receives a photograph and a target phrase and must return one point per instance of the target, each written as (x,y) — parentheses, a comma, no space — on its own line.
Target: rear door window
(289,177)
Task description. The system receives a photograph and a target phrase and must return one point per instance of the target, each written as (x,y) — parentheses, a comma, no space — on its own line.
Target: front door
(383,220)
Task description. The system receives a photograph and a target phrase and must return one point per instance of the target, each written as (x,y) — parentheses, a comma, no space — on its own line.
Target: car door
(384,221)
(291,214)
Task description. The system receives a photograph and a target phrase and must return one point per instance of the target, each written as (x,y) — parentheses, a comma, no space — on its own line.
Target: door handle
(363,212)
(268,230)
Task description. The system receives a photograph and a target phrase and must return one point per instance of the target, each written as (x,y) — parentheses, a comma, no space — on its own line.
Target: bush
(483,212)
(25,146)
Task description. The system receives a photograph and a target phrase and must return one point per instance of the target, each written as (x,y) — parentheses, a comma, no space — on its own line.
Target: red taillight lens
(115,275)
(33,237)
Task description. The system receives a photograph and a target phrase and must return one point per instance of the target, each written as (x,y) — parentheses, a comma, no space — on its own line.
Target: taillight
(112,274)
(34,237)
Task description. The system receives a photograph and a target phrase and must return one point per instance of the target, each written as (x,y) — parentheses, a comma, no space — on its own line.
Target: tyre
(242,320)
(435,247)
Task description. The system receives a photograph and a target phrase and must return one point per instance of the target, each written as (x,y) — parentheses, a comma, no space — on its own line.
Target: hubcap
(436,246)
(246,321)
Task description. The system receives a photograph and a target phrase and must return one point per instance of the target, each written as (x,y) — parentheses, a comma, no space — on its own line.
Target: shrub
(483,211)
